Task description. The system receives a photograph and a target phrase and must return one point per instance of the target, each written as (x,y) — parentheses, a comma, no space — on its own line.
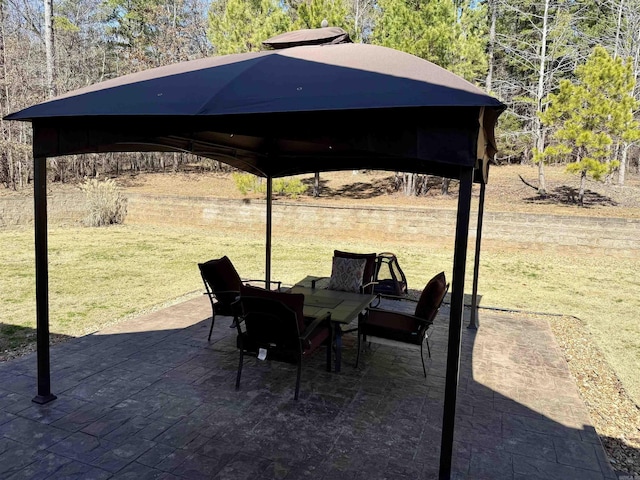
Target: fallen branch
(528,184)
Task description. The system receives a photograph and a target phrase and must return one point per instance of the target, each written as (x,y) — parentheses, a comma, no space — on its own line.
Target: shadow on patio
(151,398)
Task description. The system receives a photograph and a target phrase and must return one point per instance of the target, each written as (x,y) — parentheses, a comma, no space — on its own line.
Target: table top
(344,306)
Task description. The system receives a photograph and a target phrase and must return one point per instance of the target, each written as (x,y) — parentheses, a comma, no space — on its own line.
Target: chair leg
(213,319)
(424,369)
(239,371)
(359,348)
(298,379)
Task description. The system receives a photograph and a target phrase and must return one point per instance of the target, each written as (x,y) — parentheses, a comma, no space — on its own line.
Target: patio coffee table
(344,307)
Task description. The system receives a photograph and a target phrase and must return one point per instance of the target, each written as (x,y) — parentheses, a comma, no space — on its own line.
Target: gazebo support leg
(268,232)
(473,321)
(455,323)
(42,280)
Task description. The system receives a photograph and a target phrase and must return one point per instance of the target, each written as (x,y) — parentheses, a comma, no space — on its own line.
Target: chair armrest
(277,282)
(362,287)
(381,296)
(218,292)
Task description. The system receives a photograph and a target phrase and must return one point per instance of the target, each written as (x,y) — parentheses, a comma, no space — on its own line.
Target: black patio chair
(362,282)
(396,328)
(222,284)
(271,326)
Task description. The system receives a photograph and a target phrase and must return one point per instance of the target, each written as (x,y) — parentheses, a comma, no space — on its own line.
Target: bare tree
(540,93)
(493,15)
(534,43)
(49,47)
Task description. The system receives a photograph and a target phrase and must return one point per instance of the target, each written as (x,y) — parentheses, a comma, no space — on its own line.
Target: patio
(151,398)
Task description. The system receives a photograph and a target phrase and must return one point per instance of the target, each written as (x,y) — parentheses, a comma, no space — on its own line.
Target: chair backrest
(220,275)
(389,277)
(269,324)
(432,297)
(293,301)
(369,267)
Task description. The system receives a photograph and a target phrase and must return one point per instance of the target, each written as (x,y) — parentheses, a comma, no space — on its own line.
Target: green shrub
(105,203)
(289,187)
(245,182)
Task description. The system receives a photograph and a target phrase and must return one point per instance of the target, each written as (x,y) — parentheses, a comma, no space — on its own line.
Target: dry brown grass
(505,191)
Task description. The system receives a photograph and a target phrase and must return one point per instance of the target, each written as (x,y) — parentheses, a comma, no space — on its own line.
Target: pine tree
(335,12)
(590,114)
(239,26)
(447,33)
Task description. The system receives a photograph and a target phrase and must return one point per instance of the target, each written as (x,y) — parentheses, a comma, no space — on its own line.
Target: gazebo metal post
(268,232)
(455,322)
(42,280)
(473,323)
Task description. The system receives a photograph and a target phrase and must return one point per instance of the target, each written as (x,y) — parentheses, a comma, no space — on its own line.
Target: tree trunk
(583,184)
(48,45)
(410,184)
(618,27)
(623,164)
(6,107)
(445,186)
(491,45)
(539,135)
(316,185)
(542,183)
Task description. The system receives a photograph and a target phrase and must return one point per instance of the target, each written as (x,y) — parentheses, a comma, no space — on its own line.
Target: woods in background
(535,56)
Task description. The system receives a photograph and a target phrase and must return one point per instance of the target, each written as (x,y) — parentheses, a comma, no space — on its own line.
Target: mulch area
(615,416)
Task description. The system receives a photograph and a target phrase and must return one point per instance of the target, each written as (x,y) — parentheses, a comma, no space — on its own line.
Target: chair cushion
(393,325)
(431,297)
(381,318)
(295,301)
(346,274)
(369,268)
(415,338)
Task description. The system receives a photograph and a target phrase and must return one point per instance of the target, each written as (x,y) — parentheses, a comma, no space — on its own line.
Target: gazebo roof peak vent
(309,36)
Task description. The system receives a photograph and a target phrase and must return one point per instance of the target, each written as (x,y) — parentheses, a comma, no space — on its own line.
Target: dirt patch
(506,192)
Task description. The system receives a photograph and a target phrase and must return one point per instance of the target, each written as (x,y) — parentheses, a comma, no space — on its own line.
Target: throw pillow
(346,274)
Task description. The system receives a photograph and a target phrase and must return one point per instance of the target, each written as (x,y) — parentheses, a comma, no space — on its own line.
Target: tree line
(567,69)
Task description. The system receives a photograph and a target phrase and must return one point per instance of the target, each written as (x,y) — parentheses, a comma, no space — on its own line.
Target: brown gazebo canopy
(315,103)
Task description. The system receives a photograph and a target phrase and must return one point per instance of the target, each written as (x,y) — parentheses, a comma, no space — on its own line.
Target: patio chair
(396,328)
(271,326)
(222,284)
(352,272)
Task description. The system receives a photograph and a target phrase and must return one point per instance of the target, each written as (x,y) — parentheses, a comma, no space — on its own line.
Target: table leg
(338,343)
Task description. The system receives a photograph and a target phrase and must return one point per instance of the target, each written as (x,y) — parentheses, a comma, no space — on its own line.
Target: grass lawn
(100,275)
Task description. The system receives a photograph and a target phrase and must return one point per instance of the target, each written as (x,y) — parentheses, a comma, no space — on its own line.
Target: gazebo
(312,102)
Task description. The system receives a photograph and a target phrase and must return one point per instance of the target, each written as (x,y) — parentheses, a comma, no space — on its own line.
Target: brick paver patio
(151,398)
